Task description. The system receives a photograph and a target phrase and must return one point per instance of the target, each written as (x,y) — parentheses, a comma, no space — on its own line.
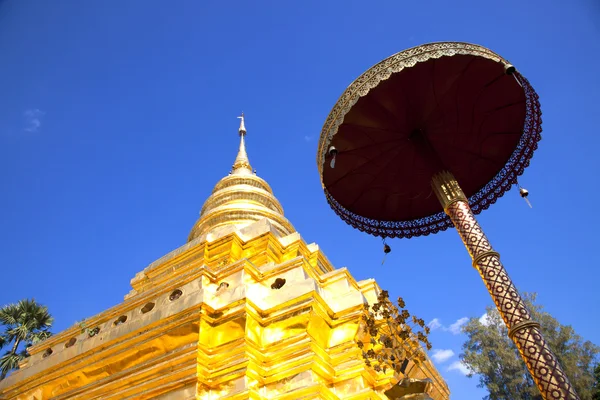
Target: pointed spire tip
(241,161)
(242,129)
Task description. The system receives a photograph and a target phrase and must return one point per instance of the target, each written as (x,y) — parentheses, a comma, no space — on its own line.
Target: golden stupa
(245,310)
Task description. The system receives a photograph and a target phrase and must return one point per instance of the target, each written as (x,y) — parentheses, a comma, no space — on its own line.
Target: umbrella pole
(522,330)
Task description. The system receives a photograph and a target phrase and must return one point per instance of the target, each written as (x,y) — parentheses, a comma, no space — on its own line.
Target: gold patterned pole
(541,362)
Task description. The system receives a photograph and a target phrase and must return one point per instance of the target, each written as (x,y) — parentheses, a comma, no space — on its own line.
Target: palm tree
(26,322)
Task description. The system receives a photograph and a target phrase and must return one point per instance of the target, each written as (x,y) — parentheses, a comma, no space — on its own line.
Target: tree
(596,390)
(489,353)
(25,323)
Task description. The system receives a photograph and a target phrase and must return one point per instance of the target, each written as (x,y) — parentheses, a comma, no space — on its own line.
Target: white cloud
(485,320)
(308,138)
(434,324)
(440,356)
(33,119)
(460,367)
(456,327)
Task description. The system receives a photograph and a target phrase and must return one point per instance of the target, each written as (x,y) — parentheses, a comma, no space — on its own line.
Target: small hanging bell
(524,193)
(386,250)
(509,69)
(333,153)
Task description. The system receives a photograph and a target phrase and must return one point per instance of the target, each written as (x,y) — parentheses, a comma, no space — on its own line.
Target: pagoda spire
(242,163)
(239,199)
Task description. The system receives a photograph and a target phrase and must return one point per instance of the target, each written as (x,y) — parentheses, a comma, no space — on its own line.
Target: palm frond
(24,322)
(9,314)
(9,362)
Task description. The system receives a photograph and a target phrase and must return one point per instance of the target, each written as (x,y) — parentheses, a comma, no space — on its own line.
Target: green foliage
(24,323)
(490,354)
(596,390)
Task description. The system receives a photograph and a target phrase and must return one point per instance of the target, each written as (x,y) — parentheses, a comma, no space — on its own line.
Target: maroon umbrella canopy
(444,106)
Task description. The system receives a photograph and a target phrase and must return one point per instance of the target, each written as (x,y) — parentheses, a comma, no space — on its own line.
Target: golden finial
(242,129)
(241,163)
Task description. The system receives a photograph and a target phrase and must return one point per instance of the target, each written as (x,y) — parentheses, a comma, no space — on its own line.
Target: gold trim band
(521,325)
(484,255)
(451,202)
(447,190)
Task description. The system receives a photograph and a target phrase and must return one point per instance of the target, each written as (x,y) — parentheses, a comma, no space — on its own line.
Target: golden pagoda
(246,309)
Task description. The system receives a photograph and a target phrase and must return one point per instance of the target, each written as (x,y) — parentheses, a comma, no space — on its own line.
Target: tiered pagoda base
(207,321)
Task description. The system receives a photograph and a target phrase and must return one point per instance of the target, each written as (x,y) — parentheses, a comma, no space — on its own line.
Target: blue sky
(118,117)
